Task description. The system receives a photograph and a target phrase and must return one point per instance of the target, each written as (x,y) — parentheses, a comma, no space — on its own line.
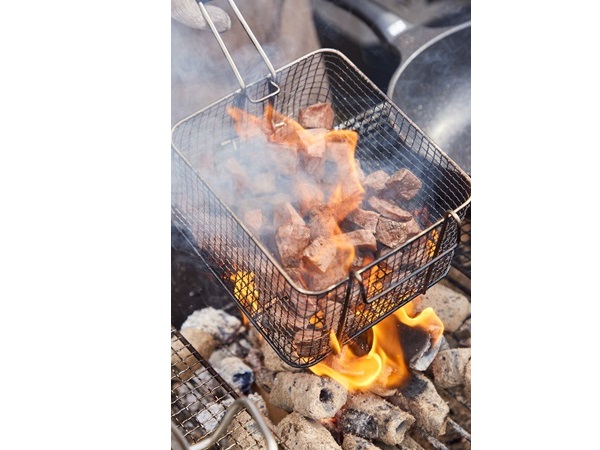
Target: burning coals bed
(323,211)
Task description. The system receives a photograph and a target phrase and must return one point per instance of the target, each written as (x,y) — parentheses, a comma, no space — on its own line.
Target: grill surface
(200,399)
(388,140)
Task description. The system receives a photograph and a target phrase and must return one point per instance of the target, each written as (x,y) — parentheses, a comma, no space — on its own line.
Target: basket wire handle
(352,276)
(274,90)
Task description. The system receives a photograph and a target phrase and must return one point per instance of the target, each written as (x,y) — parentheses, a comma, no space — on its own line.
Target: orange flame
(384,366)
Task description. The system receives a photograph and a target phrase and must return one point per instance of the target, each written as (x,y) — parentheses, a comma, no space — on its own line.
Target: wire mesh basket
(296,322)
(205,411)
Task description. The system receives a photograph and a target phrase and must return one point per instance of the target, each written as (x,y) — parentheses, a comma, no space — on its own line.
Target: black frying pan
(433,88)
(432,84)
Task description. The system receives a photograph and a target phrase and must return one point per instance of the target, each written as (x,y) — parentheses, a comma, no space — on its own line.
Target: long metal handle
(274,86)
(384,23)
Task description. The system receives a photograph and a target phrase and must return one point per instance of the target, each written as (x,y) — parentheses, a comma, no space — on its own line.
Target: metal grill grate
(200,399)
(388,140)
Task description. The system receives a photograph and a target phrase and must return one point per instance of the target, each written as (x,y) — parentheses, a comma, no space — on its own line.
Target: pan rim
(420,50)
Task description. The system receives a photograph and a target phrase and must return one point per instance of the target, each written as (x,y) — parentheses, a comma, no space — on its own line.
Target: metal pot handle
(400,35)
(274,86)
(385,24)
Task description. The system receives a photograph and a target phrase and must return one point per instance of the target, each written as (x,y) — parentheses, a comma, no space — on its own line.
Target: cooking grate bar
(460,430)
(438,445)
(206,410)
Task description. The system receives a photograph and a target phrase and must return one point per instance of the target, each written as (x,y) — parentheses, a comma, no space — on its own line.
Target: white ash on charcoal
(221,325)
(205,343)
(200,402)
(312,396)
(185,394)
(264,379)
(210,416)
(235,372)
(240,348)
(381,390)
(201,379)
(245,433)
(372,417)
(421,399)
(260,403)
(299,433)
(353,442)
(273,362)
(452,307)
(449,367)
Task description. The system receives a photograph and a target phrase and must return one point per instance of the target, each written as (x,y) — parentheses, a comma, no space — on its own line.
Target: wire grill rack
(200,401)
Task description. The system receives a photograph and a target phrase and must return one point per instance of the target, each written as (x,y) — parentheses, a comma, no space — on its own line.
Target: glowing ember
(384,366)
(432,243)
(245,291)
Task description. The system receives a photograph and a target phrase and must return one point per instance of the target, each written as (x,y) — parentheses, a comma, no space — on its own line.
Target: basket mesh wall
(297,323)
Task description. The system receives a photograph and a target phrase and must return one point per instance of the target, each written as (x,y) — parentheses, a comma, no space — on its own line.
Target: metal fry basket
(205,411)
(298,323)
